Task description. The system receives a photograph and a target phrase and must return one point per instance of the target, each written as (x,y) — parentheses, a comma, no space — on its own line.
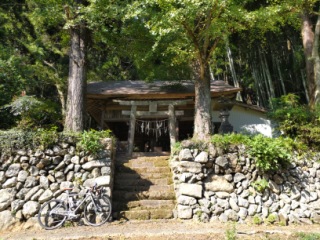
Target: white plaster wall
(245,120)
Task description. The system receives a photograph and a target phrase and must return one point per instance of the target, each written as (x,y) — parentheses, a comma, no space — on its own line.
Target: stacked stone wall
(29,178)
(219,185)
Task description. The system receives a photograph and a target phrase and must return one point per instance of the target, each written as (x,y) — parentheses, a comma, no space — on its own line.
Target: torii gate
(153,111)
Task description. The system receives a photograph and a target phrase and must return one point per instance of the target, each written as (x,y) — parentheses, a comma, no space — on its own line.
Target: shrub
(270,153)
(296,120)
(224,141)
(17,139)
(47,137)
(10,140)
(260,185)
(33,112)
(90,141)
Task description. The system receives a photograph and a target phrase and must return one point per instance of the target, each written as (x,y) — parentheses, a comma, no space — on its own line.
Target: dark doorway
(120,130)
(185,130)
(151,135)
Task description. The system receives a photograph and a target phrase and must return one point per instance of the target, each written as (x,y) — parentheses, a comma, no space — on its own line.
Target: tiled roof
(156,87)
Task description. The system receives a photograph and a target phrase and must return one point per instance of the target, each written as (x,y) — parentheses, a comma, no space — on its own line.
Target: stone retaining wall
(29,178)
(212,185)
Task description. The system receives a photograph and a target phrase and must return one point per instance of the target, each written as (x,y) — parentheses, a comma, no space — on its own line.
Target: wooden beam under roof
(153,114)
(148,102)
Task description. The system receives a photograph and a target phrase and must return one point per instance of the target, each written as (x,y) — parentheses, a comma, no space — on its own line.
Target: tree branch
(193,37)
(216,41)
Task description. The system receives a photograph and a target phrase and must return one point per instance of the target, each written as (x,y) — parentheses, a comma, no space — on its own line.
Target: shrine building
(153,116)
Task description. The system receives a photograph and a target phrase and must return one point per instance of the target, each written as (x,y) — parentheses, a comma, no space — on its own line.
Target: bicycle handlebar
(94,188)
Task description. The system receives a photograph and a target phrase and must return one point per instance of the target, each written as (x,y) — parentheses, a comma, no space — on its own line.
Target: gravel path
(162,230)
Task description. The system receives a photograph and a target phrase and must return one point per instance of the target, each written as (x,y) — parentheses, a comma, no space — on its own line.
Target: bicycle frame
(72,213)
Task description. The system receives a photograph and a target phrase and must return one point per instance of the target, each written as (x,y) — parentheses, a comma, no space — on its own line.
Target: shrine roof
(153,89)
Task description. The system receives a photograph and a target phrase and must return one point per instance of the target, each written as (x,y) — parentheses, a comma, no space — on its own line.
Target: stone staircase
(143,188)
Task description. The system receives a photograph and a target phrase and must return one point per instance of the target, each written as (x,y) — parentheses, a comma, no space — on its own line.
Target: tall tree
(24,52)
(75,114)
(196,28)
(310,31)
(65,33)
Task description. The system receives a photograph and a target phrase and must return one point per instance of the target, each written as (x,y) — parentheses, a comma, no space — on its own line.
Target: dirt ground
(166,230)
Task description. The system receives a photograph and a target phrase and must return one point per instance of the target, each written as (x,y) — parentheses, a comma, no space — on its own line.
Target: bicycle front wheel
(98,212)
(52,214)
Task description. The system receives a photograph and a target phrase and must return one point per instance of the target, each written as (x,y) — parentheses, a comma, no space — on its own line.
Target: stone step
(121,182)
(121,176)
(123,195)
(144,205)
(144,214)
(140,170)
(159,161)
(147,187)
(143,188)
(141,164)
(124,155)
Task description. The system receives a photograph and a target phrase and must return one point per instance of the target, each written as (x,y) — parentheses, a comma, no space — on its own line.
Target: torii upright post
(132,128)
(172,125)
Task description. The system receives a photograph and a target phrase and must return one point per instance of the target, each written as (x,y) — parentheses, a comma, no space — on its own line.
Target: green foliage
(257,220)
(27,63)
(271,219)
(10,140)
(224,141)
(260,185)
(47,137)
(297,121)
(176,148)
(198,144)
(269,153)
(41,138)
(308,236)
(33,112)
(289,114)
(90,141)
(231,232)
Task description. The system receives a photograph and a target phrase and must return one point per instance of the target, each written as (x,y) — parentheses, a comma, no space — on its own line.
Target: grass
(231,232)
(307,236)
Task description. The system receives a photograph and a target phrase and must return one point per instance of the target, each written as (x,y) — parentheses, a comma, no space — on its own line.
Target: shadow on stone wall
(212,185)
(29,178)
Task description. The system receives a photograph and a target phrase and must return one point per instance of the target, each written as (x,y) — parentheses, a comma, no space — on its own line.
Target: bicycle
(97,210)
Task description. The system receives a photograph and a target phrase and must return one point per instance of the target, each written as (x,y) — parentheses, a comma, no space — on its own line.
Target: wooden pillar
(103,113)
(132,128)
(172,125)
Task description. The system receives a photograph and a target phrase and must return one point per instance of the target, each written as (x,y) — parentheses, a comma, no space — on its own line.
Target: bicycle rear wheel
(52,214)
(98,212)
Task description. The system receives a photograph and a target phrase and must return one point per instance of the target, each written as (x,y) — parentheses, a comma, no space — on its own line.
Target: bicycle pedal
(75,217)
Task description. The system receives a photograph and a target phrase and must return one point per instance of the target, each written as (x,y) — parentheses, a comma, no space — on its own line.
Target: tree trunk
(59,87)
(277,63)
(316,60)
(308,41)
(233,72)
(303,77)
(267,75)
(202,119)
(62,98)
(74,120)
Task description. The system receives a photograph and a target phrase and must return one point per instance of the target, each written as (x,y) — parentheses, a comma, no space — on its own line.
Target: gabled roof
(142,89)
(251,106)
